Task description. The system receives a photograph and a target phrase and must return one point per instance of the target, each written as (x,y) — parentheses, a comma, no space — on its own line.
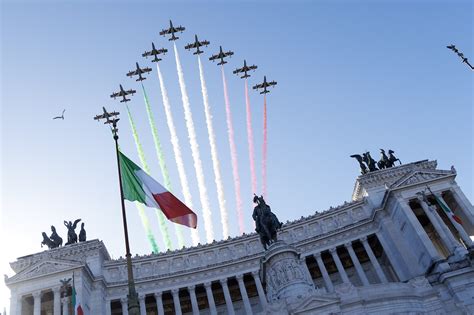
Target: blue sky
(352,76)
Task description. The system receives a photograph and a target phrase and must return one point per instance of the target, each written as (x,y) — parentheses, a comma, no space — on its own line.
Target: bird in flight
(60,117)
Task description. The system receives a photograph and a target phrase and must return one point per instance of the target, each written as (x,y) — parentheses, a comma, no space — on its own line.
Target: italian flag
(139,186)
(447,210)
(75,300)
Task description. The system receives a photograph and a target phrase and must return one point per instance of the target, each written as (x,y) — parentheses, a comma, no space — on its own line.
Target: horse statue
(363,168)
(53,241)
(383,162)
(392,158)
(266,222)
(369,161)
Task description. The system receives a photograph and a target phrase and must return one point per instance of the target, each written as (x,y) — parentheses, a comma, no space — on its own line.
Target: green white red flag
(139,186)
(446,209)
(76,300)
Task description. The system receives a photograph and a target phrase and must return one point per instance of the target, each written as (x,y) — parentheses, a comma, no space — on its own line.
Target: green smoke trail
(141,155)
(161,160)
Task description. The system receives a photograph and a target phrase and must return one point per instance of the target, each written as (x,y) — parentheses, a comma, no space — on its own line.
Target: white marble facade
(387,251)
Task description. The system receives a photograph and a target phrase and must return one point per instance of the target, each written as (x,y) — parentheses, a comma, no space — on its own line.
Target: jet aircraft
(221,55)
(264,85)
(123,93)
(107,116)
(245,69)
(196,45)
(60,117)
(139,72)
(171,30)
(155,52)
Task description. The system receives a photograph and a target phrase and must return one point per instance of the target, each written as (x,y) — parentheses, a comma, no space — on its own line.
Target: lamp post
(133,305)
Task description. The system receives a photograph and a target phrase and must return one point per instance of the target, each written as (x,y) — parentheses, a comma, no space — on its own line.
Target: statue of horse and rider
(266,222)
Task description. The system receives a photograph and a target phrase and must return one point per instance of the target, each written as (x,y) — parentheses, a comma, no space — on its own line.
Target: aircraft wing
(238,70)
(147,53)
(115,94)
(179,29)
(253,67)
(97,117)
(132,73)
(229,53)
(146,70)
(189,46)
(205,42)
(214,57)
(164,32)
(130,92)
(258,86)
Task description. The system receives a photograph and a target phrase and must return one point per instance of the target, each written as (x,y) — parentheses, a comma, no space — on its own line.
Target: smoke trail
(146,225)
(141,155)
(206,210)
(188,200)
(233,154)
(161,160)
(265,144)
(250,139)
(215,158)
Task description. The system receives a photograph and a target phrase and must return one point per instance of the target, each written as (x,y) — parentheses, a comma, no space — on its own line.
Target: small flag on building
(139,186)
(76,300)
(446,209)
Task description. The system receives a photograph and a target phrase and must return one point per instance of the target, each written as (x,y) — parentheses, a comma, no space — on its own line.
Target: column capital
(207,284)
(348,245)
(158,294)
(363,239)
(123,300)
(317,255)
(175,291)
(37,294)
(141,296)
(240,277)
(333,250)
(191,287)
(56,290)
(223,281)
(256,273)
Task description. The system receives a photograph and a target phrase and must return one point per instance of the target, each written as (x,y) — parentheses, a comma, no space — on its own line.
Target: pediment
(42,268)
(316,303)
(419,177)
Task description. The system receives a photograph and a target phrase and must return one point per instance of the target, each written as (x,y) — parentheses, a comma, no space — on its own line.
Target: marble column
(159,303)
(124,302)
(464,204)
(194,303)
(177,304)
(37,303)
(141,300)
(243,292)
(324,272)
(108,307)
(465,237)
(57,301)
(374,260)
(210,298)
(355,261)
(16,303)
(65,303)
(228,299)
(260,290)
(340,267)
(445,235)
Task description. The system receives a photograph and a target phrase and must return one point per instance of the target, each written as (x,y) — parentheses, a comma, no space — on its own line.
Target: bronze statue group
(55,240)
(370,164)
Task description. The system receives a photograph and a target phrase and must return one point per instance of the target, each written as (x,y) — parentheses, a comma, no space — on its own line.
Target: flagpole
(133,305)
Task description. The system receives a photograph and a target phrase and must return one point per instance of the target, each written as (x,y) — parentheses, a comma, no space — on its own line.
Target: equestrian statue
(266,222)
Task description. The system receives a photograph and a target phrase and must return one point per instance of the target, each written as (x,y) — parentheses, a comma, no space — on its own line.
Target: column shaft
(37,303)
(124,302)
(210,298)
(177,304)
(56,301)
(108,307)
(243,292)
(324,272)
(141,300)
(358,267)
(65,302)
(464,204)
(261,293)
(228,299)
(339,265)
(194,303)
(159,303)
(374,261)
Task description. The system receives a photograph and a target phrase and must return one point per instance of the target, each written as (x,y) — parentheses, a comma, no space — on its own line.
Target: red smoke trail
(265,144)
(250,139)
(233,154)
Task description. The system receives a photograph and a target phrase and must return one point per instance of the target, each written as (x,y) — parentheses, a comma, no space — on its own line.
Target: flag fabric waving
(141,187)
(446,209)
(76,300)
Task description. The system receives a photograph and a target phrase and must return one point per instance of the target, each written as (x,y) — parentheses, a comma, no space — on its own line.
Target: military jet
(60,117)
(221,55)
(245,69)
(107,116)
(123,93)
(196,45)
(171,30)
(155,52)
(460,54)
(139,72)
(264,85)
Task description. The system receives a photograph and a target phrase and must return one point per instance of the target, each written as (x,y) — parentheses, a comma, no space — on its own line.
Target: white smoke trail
(206,210)
(188,200)
(215,158)
(233,154)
